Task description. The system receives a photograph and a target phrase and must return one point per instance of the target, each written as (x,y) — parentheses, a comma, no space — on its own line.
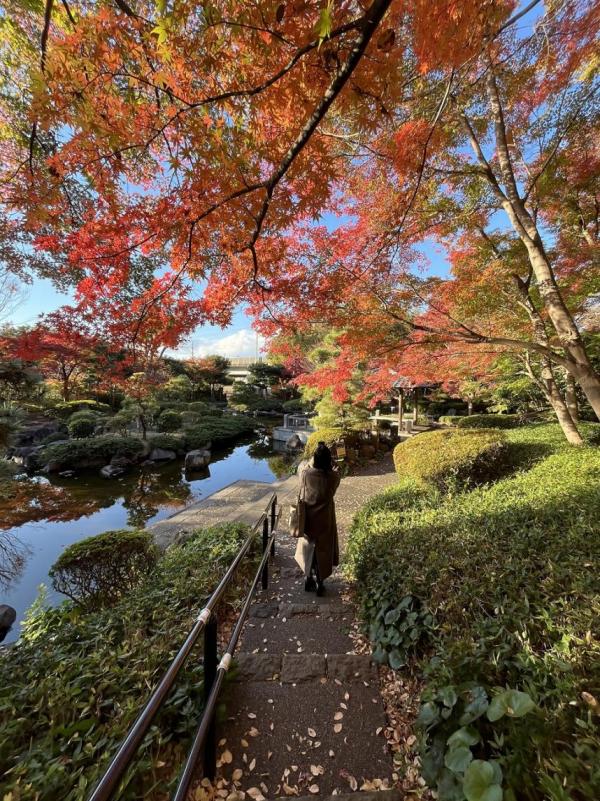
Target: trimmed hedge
(330,436)
(452,459)
(217,430)
(169,420)
(450,419)
(497,593)
(489,421)
(66,408)
(98,570)
(95,451)
(72,686)
(82,424)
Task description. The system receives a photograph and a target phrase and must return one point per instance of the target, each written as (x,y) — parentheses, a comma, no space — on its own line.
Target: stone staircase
(303,712)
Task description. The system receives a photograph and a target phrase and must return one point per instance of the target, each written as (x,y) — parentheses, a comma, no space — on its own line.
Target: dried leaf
(338,716)
(312,733)
(337,728)
(314,788)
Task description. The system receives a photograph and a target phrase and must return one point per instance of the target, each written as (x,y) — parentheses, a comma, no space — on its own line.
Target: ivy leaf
(458,758)
(513,703)
(476,706)
(449,787)
(483,781)
(397,659)
(428,714)
(463,736)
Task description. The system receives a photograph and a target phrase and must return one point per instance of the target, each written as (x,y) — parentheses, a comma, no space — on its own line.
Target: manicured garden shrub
(91,452)
(489,421)
(168,442)
(452,459)
(201,408)
(499,587)
(169,420)
(66,408)
(98,570)
(58,436)
(450,419)
(294,405)
(73,684)
(82,424)
(218,430)
(330,436)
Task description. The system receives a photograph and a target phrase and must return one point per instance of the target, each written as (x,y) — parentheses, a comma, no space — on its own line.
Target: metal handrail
(205,621)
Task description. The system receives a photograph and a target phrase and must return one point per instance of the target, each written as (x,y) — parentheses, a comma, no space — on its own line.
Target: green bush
(168,442)
(330,436)
(294,405)
(98,570)
(452,459)
(7,470)
(169,420)
(218,430)
(450,419)
(489,421)
(496,592)
(74,683)
(201,408)
(82,424)
(58,436)
(67,408)
(92,452)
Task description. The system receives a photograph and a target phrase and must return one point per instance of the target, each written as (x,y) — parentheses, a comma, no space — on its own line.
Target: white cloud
(239,343)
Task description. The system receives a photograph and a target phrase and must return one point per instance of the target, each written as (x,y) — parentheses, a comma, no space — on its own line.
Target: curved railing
(214,673)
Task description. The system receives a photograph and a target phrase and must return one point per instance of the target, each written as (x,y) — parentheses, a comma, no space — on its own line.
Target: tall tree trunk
(525,226)
(571,398)
(143,425)
(548,386)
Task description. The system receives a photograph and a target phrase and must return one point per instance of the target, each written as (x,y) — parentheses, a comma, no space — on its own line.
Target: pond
(45,514)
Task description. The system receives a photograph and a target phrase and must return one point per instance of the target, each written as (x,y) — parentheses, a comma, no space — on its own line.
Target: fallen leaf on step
(314,788)
(252,715)
(237,774)
(227,757)
(338,716)
(252,765)
(290,790)
(312,733)
(253,732)
(317,770)
(255,794)
(337,728)
(244,743)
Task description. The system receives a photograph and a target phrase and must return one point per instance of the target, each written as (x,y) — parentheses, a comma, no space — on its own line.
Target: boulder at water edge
(197,460)
(112,471)
(294,443)
(161,455)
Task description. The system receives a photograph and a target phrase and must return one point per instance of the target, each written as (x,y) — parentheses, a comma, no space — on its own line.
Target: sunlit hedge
(496,592)
(451,459)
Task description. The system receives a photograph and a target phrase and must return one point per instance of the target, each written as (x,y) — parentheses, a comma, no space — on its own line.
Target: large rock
(32,434)
(7,617)
(161,455)
(294,443)
(197,460)
(112,471)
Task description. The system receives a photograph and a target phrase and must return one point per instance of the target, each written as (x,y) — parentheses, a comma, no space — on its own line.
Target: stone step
(364,795)
(299,668)
(324,733)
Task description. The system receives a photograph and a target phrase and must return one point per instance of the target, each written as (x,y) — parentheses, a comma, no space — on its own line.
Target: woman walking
(318,550)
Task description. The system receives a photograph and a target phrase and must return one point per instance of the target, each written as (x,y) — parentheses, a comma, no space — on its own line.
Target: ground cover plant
(495,594)
(72,685)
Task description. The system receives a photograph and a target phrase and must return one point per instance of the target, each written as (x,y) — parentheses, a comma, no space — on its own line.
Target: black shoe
(320,589)
(310,584)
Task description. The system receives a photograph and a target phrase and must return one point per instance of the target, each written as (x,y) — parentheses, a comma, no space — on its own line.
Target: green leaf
(449,787)
(325,22)
(392,616)
(476,706)
(458,758)
(513,703)
(428,714)
(397,659)
(483,781)
(463,736)
(448,696)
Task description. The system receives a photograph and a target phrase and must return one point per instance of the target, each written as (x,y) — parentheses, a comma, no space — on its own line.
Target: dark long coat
(320,528)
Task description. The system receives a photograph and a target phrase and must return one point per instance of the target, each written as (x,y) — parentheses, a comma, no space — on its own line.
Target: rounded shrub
(81,424)
(450,419)
(330,436)
(169,420)
(97,571)
(489,421)
(452,459)
(67,408)
(199,407)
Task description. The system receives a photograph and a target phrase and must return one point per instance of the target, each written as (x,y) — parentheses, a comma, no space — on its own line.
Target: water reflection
(41,516)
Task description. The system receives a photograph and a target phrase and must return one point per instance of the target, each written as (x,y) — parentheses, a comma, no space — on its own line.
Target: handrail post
(210,672)
(265,545)
(273,521)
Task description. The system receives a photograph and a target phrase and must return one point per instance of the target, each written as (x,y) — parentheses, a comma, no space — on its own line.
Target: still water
(55,512)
